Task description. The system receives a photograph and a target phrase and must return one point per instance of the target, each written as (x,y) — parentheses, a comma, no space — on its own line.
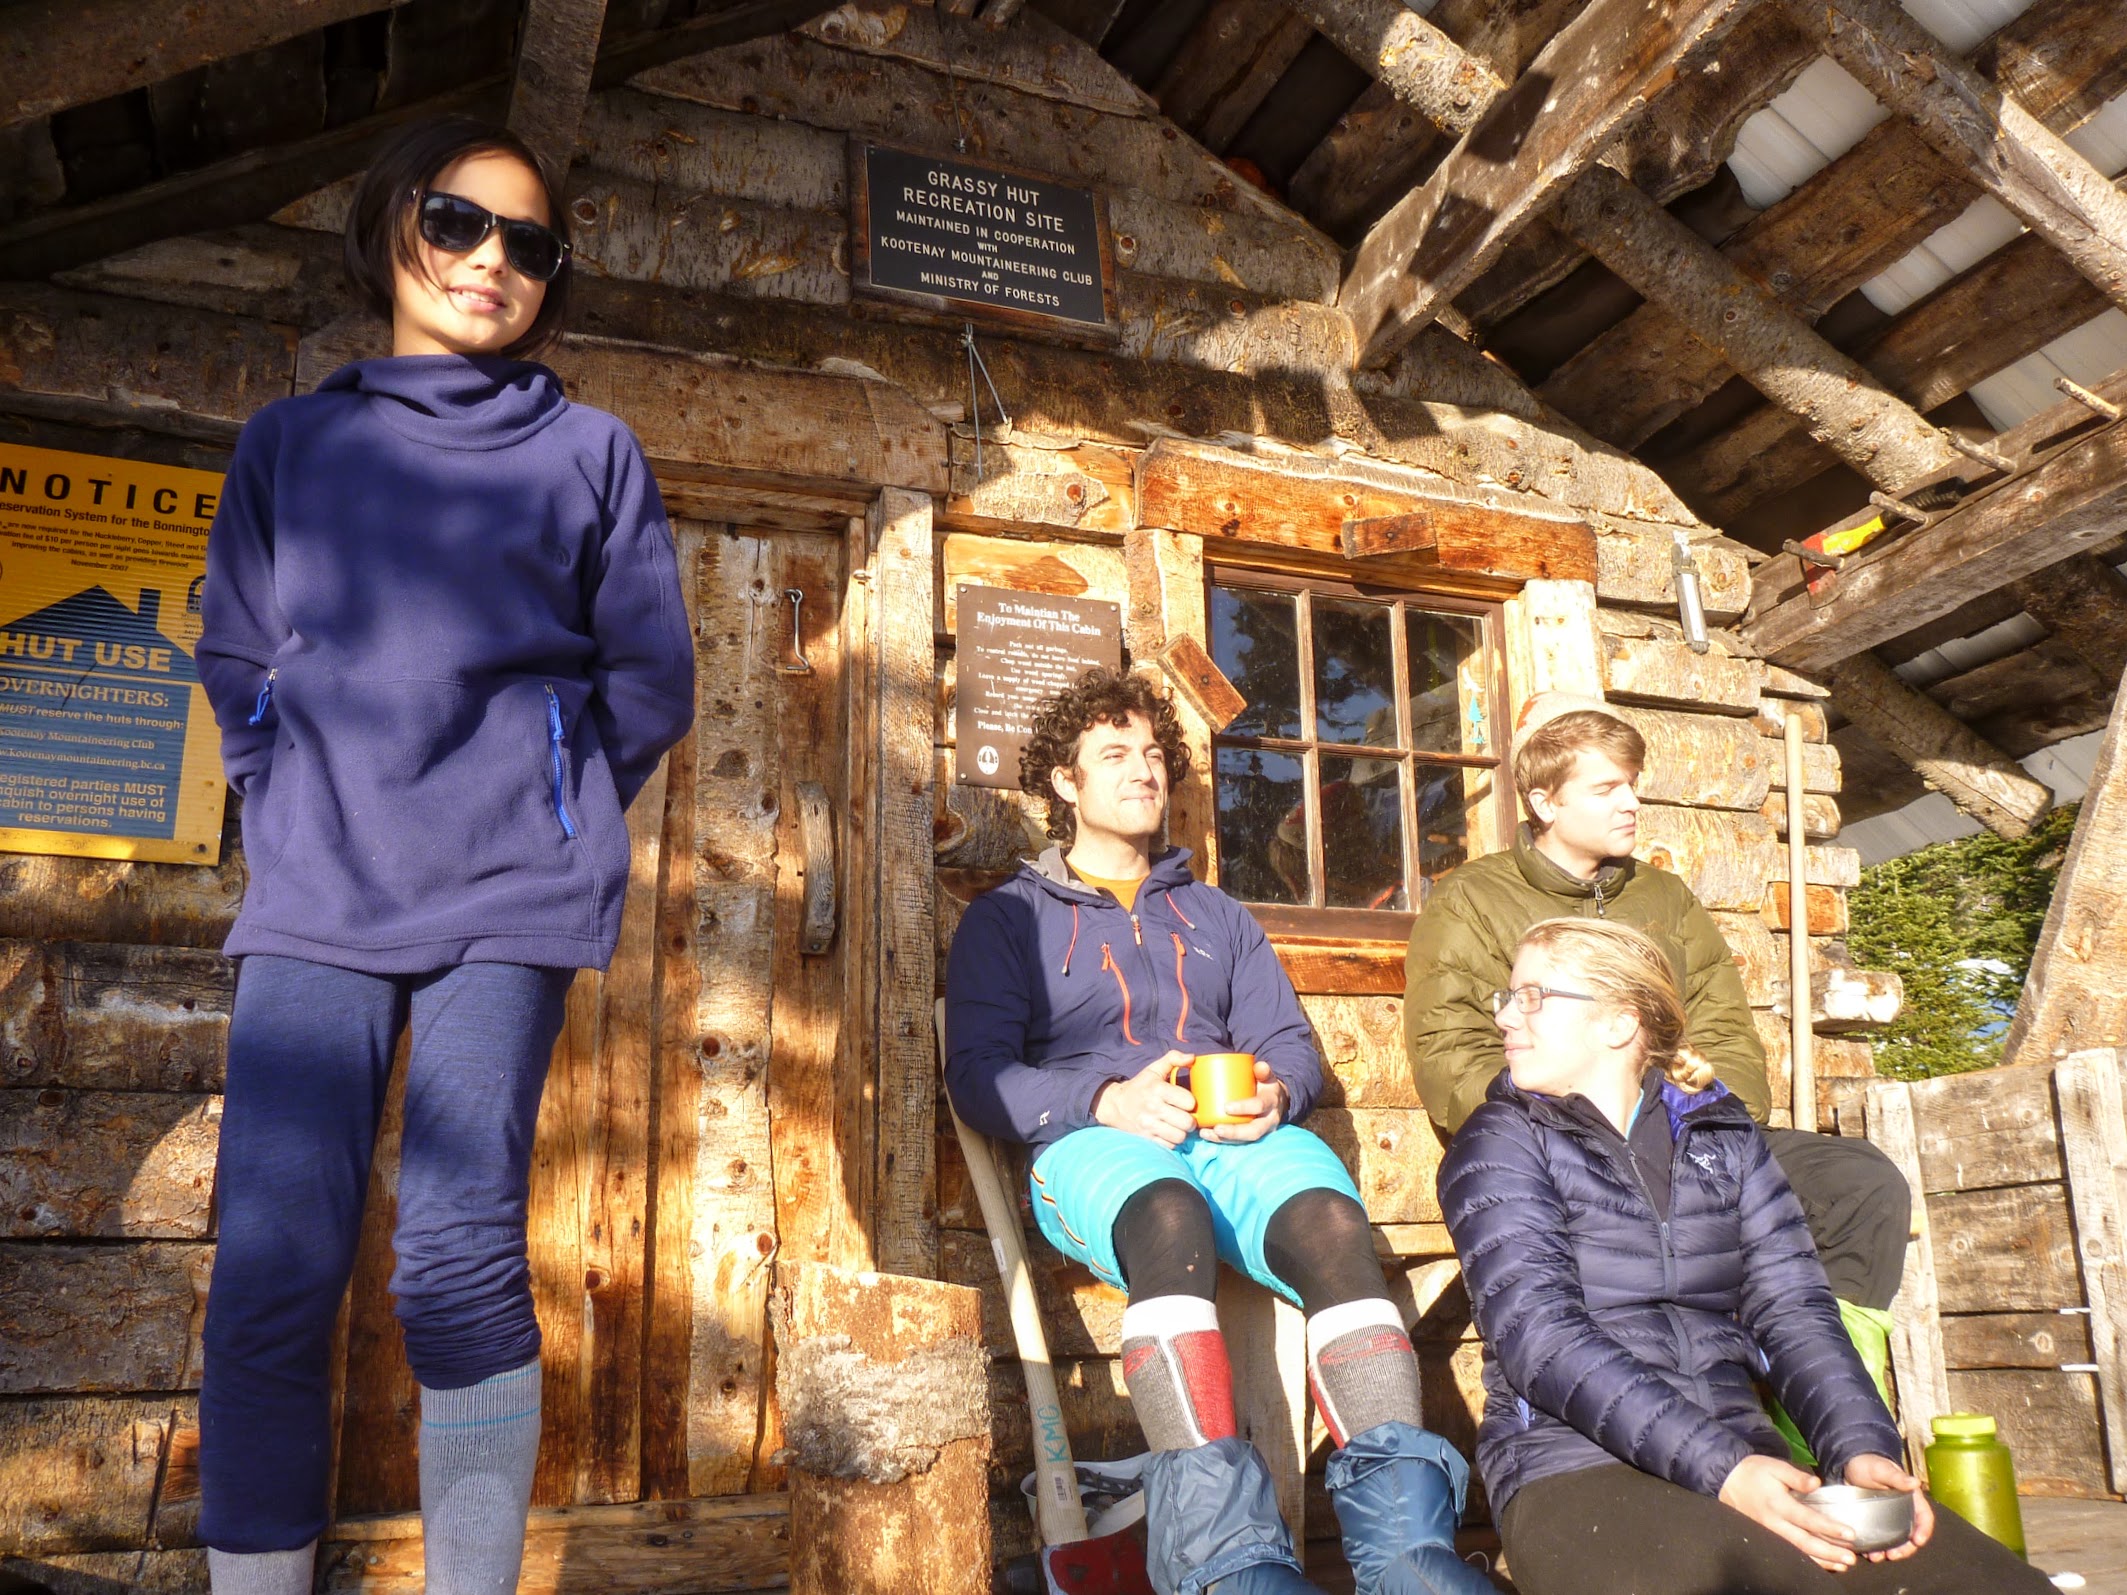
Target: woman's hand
(1265,1110)
(1872,1472)
(1763,1490)
(1149,1104)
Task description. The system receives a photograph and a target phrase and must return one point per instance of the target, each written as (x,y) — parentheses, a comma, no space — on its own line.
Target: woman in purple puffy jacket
(1637,1266)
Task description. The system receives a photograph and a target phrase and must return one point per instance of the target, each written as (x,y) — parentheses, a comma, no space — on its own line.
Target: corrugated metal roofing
(2065,768)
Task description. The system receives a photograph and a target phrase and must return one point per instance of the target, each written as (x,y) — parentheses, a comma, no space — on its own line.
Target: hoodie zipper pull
(265,699)
(561,806)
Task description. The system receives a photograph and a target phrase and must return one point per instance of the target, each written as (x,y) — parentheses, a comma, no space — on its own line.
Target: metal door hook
(803,667)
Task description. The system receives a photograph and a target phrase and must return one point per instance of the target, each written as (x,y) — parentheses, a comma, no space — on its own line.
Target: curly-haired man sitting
(1072,991)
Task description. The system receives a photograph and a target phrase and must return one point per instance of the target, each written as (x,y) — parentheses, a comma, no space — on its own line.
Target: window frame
(1363,924)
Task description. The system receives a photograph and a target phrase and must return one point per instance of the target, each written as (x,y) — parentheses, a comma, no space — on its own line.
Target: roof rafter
(1231,62)
(2003,147)
(2082,601)
(55,54)
(1600,70)
(553,80)
(2073,500)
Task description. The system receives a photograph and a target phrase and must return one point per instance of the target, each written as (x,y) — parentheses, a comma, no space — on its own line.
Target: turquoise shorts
(1082,1183)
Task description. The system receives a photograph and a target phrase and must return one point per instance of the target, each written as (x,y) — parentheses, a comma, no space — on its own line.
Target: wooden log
(76,1319)
(1841,404)
(1954,760)
(132,1164)
(54,55)
(1307,501)
(1078,486)
(1917,1356)
(1392,1153)
(2093,1121)
(1663,671)
(2072,999)
(1854,999)
(1823,770)
(885,1405)
(1227,68)
(2083,601)
(1820,815)
(554,60)
(2070,502)
(1708,761)
(906,1219)
(2048,1420)
(1531,142)
(1826,907)
(1758,954)
(2015,1340)
(1723,857)
(1360,1039)
(2011,1249)
(1639,568)
(79,1474)
(98,1572)
(1069,570)
(113,1018)
(2016,300)
(685,150)
(1411,58)
(2047,72)
(2003,147)
(742,1191)
(732,1543)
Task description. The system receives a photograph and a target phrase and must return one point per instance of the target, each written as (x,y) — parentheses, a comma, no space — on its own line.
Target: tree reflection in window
(1366,757)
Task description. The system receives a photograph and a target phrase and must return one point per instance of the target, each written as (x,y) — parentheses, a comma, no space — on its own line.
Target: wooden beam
(1843,406)
(2076,499)
(60,53)
(1946,753)
(2076,996)
(1466,536)
(1599,71)
(2006,150)
(2083,601)
(252,186)
(1410,57)
(554,62)
(1232,60)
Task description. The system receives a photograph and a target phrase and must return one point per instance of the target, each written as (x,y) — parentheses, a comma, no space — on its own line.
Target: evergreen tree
(1957,922)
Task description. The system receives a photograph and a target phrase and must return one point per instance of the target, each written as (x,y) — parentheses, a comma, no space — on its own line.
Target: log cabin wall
(724,1099)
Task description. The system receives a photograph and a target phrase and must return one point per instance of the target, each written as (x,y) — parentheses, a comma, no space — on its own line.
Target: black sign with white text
(1016,651)
(979,236)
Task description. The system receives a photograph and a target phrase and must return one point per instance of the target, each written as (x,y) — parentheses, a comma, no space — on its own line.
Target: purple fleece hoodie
(1053,987)
(445,642)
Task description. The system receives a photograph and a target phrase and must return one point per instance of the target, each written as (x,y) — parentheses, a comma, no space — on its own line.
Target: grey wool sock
(478,1448)
(262,1572)
(1362,1367)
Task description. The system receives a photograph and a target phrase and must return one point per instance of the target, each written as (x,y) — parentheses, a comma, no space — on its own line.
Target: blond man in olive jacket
(1576,765)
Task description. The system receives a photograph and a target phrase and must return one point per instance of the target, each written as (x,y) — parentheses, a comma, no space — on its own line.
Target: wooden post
(905,1233)
(2093,1113)
(2008,151)
(1802,1066)
(1917,1360)
(1845,408)
(886,1410)
(554,64)
(1267,1339)
(2076,996)
(1948,754)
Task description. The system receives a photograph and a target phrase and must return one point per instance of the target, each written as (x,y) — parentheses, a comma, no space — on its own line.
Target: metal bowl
(1880,1519)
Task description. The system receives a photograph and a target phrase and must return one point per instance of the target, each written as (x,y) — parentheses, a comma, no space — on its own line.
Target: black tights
(1319,1243)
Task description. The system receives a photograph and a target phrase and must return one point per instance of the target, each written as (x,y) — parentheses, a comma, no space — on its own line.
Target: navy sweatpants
(310,1049)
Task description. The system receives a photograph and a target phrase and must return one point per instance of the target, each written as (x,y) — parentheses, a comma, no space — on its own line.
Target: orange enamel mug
(1215,1079)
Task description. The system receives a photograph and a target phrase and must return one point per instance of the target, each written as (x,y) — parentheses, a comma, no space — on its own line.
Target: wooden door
(695,1121)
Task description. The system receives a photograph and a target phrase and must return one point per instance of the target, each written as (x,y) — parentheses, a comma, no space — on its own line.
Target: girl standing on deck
(445,642)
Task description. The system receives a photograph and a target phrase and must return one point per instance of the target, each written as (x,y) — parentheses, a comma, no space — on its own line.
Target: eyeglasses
(1530,998)
(457,225)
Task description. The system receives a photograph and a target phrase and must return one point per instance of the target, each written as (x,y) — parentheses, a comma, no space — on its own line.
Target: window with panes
(1368,762)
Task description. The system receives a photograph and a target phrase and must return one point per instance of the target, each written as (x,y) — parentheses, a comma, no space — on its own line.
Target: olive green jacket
(1462,950)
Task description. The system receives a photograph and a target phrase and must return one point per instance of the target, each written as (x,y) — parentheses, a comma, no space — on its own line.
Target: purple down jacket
(1612,1332)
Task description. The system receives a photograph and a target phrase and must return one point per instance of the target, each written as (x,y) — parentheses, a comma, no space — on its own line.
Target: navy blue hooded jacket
(445,642)
(1054,988)
(1615,1333)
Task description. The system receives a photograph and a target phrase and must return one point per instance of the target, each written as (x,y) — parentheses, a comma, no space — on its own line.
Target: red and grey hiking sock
(1174,1363)
(1360,1362)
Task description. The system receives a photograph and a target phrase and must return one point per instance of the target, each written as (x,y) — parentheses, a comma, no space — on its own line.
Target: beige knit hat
(1544,707)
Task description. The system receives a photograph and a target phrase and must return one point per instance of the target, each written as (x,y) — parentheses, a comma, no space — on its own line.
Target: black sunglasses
(458,225)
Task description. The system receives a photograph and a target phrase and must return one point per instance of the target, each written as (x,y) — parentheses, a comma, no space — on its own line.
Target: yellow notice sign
(107,745)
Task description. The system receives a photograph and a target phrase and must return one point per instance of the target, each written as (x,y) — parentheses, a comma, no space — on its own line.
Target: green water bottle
(1970,1472)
